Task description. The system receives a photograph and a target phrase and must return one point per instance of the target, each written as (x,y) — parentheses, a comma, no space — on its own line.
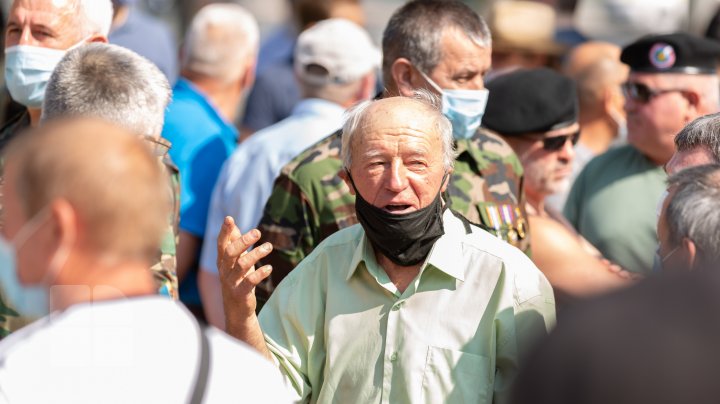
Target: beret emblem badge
(662,56)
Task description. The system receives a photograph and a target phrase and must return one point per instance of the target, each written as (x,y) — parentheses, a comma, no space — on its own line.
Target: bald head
(109,177)
(420,113)
(596,69)
(588,54)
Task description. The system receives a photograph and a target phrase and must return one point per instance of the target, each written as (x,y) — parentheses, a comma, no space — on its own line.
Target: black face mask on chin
(406,239)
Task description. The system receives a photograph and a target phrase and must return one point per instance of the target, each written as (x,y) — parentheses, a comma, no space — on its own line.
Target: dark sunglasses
(556,143)
(641,93)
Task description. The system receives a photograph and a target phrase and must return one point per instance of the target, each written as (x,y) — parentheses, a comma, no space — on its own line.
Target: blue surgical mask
(464,108)
(28,70)
(29,301)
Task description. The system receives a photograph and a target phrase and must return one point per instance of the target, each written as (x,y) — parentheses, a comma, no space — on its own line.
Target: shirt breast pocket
(456,377)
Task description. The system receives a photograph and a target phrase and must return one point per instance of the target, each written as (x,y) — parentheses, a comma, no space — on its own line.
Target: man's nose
(398,176)
(567,152)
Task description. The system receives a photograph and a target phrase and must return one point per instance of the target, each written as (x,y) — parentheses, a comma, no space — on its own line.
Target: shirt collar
(317,106)
(443,256)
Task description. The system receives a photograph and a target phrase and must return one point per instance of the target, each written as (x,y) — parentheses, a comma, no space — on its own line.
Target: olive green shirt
(342,332)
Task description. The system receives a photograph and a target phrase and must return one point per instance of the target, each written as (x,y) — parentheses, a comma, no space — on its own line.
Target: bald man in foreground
(84,246)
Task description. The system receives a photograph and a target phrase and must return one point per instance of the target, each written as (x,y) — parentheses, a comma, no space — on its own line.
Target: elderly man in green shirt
(414,303)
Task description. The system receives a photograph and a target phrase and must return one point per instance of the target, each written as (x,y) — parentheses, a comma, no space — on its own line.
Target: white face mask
(621,123)
(29,301)
(464,108)
(28,70)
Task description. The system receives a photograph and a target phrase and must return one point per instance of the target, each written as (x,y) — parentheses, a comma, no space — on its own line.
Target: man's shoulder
(488,148)
(323,155)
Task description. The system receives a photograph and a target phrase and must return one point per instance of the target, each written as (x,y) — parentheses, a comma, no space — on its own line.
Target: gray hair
(108,82)
(96,16)
(355,116)
(703,132)
(694,210)
(414,32)
(222,42)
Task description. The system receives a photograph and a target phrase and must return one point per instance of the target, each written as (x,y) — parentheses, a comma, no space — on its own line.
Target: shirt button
(398,306)
(393,357)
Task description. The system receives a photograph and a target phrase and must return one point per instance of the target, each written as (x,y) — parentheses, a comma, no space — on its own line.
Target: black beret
(672,53)
(529,101)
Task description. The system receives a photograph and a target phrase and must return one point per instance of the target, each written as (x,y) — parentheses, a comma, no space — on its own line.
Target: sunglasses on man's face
(556,143)
(642,94)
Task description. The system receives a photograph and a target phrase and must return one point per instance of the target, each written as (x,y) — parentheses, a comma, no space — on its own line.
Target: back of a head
(414,32)
(693,212)
(703,132)
(109,177)
(108,82)
(596,68)
(331,55)
(95,16)
(221,42)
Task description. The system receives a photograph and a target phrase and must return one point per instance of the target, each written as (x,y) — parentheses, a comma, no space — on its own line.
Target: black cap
(672,53)
(530,101)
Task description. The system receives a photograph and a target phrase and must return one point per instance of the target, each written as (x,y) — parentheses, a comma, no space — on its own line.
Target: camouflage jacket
(309,202)
(164,269)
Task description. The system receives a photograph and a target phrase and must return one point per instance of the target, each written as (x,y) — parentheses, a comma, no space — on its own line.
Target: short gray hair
(414,32)
(221,41)
(97,16)
(108,82)
(703,132)
(355,116)
(694,210)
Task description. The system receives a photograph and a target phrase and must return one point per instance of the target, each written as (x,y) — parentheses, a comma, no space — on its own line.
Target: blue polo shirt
(201,141)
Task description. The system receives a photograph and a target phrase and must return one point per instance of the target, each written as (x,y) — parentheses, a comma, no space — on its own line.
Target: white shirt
(246,179)
(138,350)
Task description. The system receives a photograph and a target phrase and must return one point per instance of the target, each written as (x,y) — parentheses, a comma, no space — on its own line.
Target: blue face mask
(28,70)
(29,301)
(464,108)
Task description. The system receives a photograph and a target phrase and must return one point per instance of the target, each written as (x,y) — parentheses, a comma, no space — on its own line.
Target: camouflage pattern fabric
(310,202)
(165,268)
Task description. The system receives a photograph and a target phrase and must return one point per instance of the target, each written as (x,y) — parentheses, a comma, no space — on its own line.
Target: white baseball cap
(340,50)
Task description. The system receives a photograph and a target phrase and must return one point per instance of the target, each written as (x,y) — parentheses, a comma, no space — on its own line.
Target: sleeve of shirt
(287,223)
(292,321)
(215,219)
(532,318)
(574,200)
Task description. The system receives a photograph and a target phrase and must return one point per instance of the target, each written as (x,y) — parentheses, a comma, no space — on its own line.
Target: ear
(346,178)
(403,74)
(248,78)
(97,38)
(694,102)
(66,223)
(445,184)
(691,250)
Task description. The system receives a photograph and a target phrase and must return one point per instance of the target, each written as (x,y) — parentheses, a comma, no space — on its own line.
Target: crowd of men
(449,218)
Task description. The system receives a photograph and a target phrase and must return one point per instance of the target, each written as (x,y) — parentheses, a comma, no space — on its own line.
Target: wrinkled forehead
(46,12)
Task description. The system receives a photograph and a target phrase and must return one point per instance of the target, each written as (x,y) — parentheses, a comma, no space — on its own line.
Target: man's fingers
(247,261)
(228,233)
(255,277)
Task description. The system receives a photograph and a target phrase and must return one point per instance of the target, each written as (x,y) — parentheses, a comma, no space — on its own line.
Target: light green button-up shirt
(342,332)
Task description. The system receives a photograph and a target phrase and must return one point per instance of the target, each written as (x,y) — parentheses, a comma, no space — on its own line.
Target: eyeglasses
(556,143)
(641,93)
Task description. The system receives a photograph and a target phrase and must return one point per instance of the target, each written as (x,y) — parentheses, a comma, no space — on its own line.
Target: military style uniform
(164,269)
(310,202)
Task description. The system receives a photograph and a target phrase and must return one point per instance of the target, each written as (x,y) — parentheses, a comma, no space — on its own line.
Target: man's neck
(597,133)
(225,102)
(34,116)
(102,283)
(399,275)
(535,203)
